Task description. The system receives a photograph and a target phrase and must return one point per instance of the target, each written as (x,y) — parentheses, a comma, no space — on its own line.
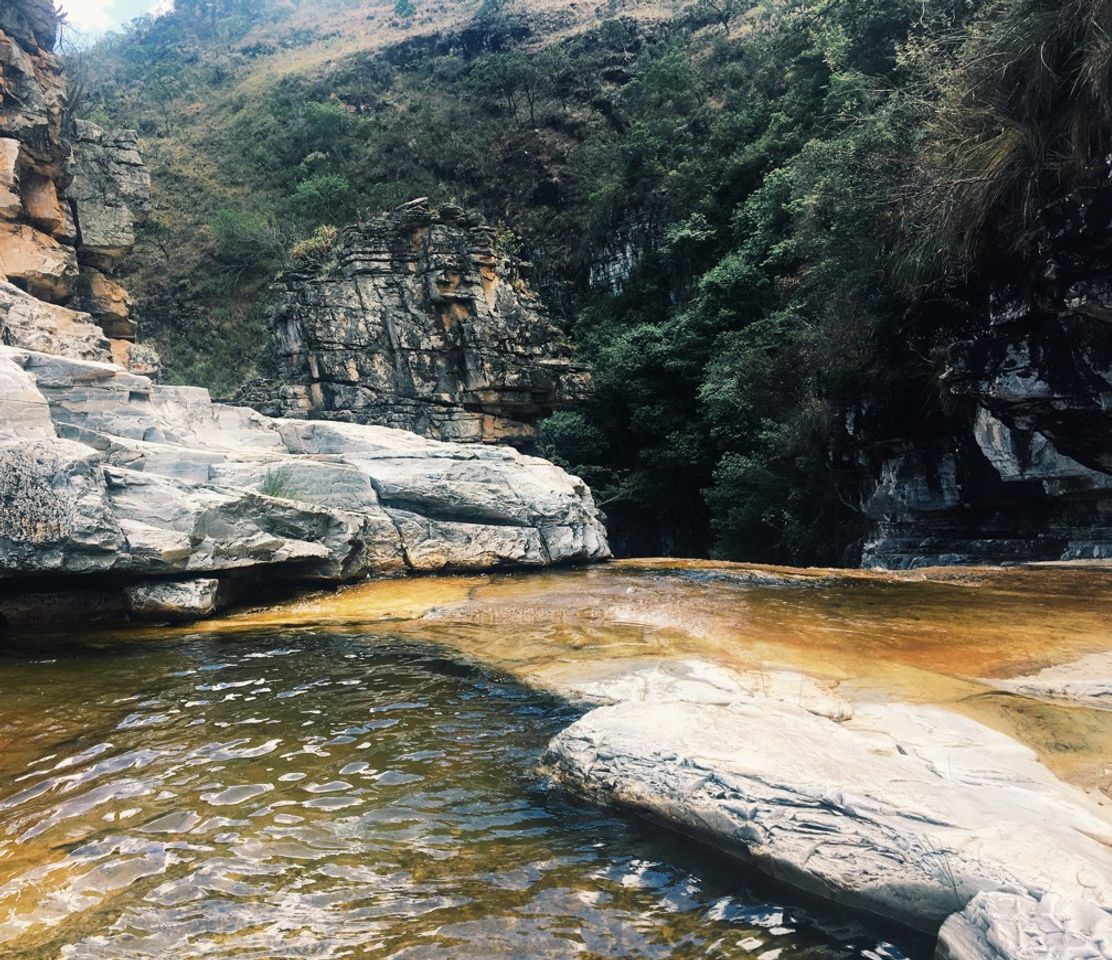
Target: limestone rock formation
(903,811)
(420,323)
(1002,926)
(105,474)
(1023,468)
(70,196)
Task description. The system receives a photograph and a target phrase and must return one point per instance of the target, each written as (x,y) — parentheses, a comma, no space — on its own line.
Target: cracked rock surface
(908,812)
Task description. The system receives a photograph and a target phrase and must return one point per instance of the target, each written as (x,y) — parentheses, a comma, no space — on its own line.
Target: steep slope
(787,241)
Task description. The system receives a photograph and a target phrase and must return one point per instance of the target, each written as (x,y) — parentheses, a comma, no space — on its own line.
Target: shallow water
(935,636)
(309,792)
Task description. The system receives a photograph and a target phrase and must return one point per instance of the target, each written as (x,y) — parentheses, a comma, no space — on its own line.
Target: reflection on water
(930,636)
(320,793)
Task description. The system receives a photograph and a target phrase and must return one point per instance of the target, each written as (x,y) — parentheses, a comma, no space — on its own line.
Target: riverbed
(355,773)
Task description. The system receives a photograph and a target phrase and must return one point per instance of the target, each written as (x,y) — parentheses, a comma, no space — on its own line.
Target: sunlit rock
(903,811)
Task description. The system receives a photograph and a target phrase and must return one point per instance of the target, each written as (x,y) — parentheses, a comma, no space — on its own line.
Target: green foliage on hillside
(783,184)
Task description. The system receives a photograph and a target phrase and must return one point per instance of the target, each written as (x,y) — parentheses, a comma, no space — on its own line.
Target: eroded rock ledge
(911,813)
(108,477)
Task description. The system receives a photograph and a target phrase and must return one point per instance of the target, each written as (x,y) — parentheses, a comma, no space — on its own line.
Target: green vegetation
(280,484)
(788,190)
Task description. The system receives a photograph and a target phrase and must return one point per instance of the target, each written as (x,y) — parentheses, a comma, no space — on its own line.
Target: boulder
(1003,926)
(33,324)
(183,486)
(903,811)
(172,599)
(110,190)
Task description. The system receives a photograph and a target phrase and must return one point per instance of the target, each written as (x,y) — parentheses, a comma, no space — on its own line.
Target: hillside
(780,232)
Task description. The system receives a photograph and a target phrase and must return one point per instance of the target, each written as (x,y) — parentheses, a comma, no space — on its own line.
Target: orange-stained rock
(108,302)
(37,262)
(41,204)
(136,358)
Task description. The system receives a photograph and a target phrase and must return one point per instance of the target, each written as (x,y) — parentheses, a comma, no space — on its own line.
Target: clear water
(314,793)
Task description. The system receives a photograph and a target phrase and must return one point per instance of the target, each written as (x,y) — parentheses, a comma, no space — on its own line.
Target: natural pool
(311,792)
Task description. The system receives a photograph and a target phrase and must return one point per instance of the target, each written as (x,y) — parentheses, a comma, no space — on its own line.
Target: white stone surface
(1002,926)
(150,480)
(900,810)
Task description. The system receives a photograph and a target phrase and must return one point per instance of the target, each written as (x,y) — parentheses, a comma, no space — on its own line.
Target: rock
(108,303)
(903,811)
(110,191)
(167,483)
(24,412)
(41,205)
(32,101)
(57,516)
(423,325)
(173,599)
(1087,681)
(43,327)
(11,199)
(32,22)
(137,358)
(1002,926)
(1019,467)
(37,262)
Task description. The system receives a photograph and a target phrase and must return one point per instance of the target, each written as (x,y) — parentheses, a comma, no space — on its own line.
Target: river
(354,774)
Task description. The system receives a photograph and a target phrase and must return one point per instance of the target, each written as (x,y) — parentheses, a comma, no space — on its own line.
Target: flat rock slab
(903,811)
(1087,681)
(1002,926)
(105,472)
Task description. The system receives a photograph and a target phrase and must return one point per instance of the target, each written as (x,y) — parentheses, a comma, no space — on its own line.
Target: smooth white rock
(1003,926)
(900,810)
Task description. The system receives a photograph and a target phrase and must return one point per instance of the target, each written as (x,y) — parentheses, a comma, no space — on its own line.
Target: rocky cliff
(420,322)
(1021,468)
(70,195)
(121,498)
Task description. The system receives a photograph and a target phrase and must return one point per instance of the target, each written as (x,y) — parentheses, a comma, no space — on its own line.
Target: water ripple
(305,795)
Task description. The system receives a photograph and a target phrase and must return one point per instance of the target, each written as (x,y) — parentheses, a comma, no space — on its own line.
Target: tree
(511,78)
(405,9)
(723,11)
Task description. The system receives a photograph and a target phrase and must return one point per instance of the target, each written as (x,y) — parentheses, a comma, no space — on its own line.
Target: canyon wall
(1021,469)
(419,321)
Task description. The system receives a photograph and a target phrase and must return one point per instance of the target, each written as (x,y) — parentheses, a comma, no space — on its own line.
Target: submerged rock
(104,472)
(903,811)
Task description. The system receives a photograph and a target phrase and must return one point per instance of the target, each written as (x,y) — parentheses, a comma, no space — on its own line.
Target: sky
(95,16)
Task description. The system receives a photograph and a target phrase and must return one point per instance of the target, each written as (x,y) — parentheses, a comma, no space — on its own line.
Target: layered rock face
(107,477)
(1024,470)
(70,195)
(420,323)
